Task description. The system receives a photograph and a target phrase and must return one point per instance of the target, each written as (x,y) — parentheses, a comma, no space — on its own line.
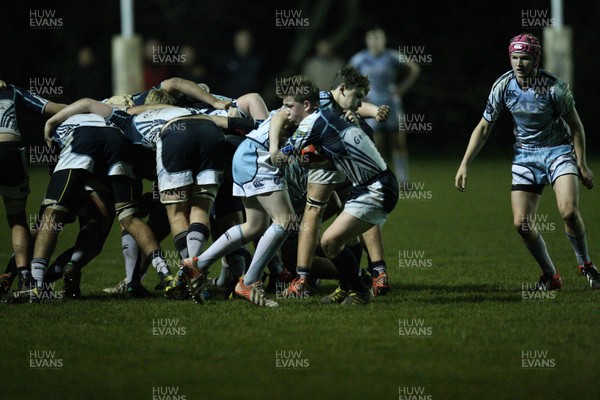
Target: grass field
(454,327)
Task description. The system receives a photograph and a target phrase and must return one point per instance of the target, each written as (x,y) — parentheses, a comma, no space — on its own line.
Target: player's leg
(566,188)
(317,199)
(177,205)
(126,209)
(21,240)
(524,203)
(61,197)
(202,199)
(279,208)
(14,188)
(374,243)
(342,230)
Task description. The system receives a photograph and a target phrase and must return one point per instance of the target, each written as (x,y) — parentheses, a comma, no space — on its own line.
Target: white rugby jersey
(13,99)
(349,147)
(144,128)
(261,134)
(62,135)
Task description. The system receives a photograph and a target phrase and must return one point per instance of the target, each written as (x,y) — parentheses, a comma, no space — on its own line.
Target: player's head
(300,95)
(375,40)
(525,52)
(124,100)
(160,96)
(349,87)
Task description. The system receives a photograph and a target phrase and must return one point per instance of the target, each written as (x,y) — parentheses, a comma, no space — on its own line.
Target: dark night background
(467,41)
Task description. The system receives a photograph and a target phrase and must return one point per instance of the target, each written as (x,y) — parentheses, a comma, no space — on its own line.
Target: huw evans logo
(167,327)
(414,327)
(44,359)
(44,19)
(167,393)
(414,54)
(413,393)
(290,19)
(413,259)
(167,55)
(539,359)
(291,359)
(536,19)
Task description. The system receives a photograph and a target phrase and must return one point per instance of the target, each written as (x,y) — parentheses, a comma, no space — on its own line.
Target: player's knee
(125,212)
(569,214)
(330,247)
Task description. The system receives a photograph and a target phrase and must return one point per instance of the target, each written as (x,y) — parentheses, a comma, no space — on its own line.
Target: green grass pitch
(455,325)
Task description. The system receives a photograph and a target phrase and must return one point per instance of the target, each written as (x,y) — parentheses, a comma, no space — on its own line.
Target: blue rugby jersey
(382,71)
(537,112)
(349,147)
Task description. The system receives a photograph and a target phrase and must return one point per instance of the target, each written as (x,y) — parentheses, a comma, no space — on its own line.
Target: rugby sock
(344,284)
(275,265)
(24,273)
(158,262)
(225,244)
(236,262)
(38,271)
(378,267)
(181,244)
(224,275)
(357,250)
(539,251)
(302,272)
(131,254)
(268,245)
(55,270)
(348,267)
(579,245)
(90,240)
(196,238)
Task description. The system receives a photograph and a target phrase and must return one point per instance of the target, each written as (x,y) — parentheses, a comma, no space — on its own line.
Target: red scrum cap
(526,43)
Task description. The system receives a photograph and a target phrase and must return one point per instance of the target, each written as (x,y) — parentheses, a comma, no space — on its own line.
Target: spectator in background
(323,66)
(154,71)
(383,68)
(240,70)
(190,69)
(87,79)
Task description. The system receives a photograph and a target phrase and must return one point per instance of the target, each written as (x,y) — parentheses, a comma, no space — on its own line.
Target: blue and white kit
(543,148)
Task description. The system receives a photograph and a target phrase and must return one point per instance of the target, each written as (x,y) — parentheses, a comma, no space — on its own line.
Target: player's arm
(578,135)
(370,110)
(278,122)
(79,107)
(411,77)
(478,138)
(188,88)
(52,108)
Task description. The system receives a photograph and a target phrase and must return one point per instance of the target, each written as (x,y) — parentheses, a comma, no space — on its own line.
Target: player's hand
(234,112)
(2,85)
(221,104)
(383,113)
(587,176)
(49,131)
(461,178)
(350,116)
